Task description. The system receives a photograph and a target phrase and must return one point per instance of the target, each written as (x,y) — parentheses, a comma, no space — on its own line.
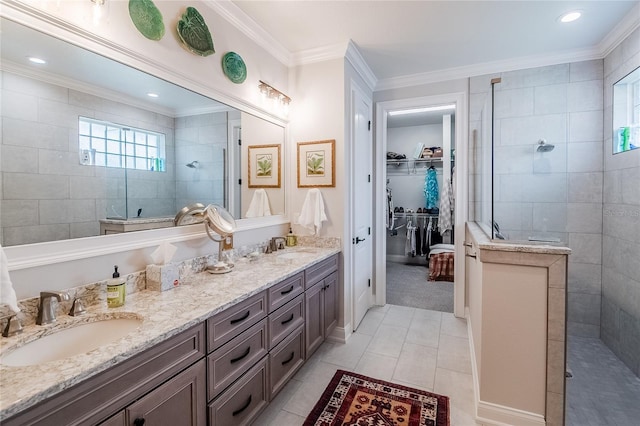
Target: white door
(362,206)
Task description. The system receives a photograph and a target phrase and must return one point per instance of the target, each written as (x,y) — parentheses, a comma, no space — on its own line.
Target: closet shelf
(412,163)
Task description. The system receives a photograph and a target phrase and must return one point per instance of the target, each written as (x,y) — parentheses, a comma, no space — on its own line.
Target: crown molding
(319,54)
(234,15)
(488,68)
(353,55)
(628,25)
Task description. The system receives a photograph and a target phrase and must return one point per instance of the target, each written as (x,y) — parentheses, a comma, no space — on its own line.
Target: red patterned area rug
(353,399)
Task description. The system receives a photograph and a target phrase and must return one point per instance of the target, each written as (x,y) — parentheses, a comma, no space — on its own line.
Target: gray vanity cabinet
(221,372)
(321,302)
(237,362)
(112,391)
(286,331)
(180,401)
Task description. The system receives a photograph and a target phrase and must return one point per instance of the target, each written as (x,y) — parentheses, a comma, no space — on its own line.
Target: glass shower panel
(530,180)
(480,167)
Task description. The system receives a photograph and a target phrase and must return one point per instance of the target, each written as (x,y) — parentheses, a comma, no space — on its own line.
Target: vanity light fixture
(570,16)
(37,60)
(425,109)
(99,7)
(280,100)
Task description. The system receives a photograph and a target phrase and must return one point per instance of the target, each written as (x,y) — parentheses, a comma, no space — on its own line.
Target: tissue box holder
(162,277)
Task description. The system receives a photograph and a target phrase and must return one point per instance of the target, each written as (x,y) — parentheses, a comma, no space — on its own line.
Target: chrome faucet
(46,310)
(13,327)
(274,243)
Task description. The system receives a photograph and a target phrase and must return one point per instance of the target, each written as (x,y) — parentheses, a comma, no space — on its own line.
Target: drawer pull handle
(288,360)
(287,320)
(244,407)
(244,317)
(138,422)
(287,291)
(244,355)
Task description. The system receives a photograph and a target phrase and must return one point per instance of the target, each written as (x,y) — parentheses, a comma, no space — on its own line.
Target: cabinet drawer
(286,290)
(227,324)
(317,272)
(180,401)
(244,400)
(285,360)
(103,395)
(286,319)
(228,363)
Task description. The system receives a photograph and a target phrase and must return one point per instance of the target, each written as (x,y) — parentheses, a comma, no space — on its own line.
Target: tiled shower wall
(201,138)
(620,325)
(46,193)
(556,194)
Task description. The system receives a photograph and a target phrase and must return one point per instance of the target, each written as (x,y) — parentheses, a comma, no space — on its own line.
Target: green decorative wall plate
(194,33)
(234,67)
(147,18)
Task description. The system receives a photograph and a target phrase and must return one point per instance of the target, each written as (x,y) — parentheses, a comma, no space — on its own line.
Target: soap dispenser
(292,240)
(116,290)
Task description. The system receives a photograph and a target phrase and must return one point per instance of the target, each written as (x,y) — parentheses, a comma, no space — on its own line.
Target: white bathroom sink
(67,342)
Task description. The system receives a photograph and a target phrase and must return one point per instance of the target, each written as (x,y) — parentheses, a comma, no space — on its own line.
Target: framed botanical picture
(316,164)
(264,166)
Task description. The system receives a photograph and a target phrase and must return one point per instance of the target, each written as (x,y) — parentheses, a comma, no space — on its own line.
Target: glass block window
(112,145)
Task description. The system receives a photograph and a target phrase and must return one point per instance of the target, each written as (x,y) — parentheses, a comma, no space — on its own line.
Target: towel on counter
(259,205)
(312,213)
(7,293)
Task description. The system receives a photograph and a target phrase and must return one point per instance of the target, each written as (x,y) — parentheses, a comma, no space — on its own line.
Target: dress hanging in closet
(431,188)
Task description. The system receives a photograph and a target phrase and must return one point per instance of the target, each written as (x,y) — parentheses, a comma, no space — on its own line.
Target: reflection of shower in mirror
(543,146)
(193,165)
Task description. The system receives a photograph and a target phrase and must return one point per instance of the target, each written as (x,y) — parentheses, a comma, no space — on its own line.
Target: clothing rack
(409,214)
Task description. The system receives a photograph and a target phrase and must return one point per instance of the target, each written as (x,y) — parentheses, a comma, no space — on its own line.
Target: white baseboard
(490,414)
(340,334)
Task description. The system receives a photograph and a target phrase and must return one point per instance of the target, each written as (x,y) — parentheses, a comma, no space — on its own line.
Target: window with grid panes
(113,145)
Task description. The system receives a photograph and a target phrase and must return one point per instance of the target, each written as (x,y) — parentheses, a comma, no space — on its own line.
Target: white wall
(318,114)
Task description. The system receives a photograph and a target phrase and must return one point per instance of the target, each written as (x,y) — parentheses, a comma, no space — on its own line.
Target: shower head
(193,164)
(543,146)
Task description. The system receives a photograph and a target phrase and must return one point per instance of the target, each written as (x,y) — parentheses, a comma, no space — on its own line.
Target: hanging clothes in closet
(445,222)
(410,244)
(431,236)
(390,218)
(431,190)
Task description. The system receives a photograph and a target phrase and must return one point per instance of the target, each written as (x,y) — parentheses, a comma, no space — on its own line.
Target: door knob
(358,240)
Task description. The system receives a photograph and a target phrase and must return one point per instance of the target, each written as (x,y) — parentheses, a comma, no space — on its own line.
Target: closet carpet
(407,285)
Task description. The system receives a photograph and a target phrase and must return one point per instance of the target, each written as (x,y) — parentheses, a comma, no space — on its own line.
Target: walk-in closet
(420,208)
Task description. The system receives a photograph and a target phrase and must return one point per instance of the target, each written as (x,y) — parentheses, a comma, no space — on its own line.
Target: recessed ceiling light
(418,110)
(152,95)
(571,16)
(37,60)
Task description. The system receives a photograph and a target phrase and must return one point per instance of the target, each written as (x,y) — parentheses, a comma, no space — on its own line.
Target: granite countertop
(485,243)
(164,314)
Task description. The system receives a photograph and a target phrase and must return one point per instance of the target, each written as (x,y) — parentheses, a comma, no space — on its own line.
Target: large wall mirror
(85,145)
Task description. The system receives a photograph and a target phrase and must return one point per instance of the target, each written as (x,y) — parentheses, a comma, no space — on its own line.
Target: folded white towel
(259,205)
(7,293)
(312,213)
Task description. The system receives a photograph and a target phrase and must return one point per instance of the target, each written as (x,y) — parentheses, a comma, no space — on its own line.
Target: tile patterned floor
(415,347)
(603,391)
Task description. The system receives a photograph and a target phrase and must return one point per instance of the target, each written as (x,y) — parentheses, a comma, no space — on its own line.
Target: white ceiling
(404,38)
